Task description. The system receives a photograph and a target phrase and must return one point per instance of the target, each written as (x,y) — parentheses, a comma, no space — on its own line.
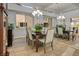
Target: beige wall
(19,18)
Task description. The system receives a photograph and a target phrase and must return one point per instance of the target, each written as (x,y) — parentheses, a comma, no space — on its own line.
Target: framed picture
(21,24)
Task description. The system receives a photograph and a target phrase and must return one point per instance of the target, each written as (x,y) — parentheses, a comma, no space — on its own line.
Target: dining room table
(68,33)
(37,37)
(37,42)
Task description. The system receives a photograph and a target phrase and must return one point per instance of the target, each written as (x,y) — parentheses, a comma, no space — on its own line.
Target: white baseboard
(19,37)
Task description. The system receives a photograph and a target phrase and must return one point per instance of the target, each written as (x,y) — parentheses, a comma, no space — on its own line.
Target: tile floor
(62,47)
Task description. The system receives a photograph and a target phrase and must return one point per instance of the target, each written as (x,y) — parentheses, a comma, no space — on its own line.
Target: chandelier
(37,12)
(61,17)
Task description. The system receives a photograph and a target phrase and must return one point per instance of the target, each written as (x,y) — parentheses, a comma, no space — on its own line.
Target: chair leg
(73,37)
(28,42)
(44,48)
(32,44)
(52,45)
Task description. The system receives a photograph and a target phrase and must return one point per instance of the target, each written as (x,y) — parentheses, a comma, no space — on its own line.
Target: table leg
(37,43)
(68,36)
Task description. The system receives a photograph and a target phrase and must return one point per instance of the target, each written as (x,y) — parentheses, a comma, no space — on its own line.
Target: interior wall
(11,17)
(17,32)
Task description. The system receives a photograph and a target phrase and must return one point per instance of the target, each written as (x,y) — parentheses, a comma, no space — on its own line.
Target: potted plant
(38,28)
(10,35)
(10,27)
(62,27)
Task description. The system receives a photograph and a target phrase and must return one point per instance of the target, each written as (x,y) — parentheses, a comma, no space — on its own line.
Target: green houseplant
(10,27)
(10,35)
(38,28)
(62,27)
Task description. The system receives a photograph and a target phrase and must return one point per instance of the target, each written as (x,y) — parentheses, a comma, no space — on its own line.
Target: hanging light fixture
(60,16)
(72,24)
(37,12)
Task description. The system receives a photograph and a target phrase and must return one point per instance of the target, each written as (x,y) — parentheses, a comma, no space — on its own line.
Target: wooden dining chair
(31,40)
(60,31)
(74,34)
(48,40)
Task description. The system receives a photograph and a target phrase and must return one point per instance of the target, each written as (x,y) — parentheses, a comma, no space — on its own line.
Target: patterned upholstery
(49,39)
(60,31)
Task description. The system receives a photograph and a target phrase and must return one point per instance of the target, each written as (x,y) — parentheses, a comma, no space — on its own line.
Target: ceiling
(54,7)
